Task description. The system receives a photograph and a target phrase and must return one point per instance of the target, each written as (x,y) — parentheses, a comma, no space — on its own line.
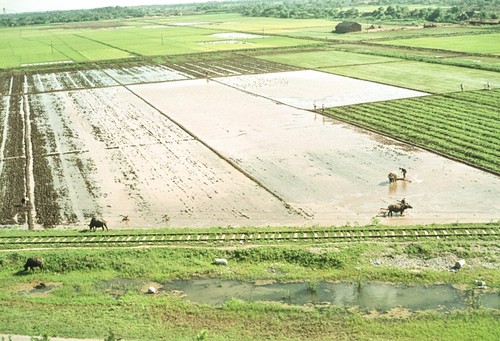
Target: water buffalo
(33,263)
(95,223)
(393,177)
(400,207)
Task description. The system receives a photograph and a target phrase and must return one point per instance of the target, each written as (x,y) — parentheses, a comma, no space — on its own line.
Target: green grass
(427,77)
(324,59)
(86,296)
(482,43)
(77,43)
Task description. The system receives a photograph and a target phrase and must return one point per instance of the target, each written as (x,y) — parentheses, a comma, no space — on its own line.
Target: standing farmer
(403,171)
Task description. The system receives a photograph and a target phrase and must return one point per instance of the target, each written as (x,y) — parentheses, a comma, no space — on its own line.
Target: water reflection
(370,295)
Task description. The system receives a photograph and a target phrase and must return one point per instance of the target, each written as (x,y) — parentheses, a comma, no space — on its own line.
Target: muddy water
(307,88)
(364,295)
(332,172)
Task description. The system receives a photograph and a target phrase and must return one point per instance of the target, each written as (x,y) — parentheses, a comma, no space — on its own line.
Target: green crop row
(488,98)
(479,131)
(423,133)
(439,136)
(442,113)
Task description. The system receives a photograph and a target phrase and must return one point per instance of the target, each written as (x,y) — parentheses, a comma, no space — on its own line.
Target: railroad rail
(251,237)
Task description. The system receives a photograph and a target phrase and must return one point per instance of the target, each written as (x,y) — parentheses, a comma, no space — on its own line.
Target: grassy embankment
(98,290)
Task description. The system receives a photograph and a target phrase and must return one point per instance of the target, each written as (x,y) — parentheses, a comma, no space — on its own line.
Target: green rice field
(118,40)
(433,78)
(483,43)
(422,76)
(114,40)
(321,59)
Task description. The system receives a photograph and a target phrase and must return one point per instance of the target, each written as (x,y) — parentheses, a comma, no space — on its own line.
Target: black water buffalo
(95,223)
(398,208)
(33,263)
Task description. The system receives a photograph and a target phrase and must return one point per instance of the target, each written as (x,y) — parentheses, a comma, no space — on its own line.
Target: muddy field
(152,146)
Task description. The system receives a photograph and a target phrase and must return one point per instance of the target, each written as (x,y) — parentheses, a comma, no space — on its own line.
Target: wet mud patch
(36,288)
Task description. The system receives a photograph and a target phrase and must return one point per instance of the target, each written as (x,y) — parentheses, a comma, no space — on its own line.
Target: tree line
(441,11)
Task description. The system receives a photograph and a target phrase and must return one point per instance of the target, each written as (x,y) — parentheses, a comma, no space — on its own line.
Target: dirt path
(28,150)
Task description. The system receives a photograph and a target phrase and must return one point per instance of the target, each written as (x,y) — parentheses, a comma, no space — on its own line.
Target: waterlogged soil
(308,89)
(36,288)
(223,152)
(329,172)
(376,296)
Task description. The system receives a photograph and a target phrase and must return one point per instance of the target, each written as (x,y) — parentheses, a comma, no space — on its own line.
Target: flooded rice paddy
(313,89)
(232,151)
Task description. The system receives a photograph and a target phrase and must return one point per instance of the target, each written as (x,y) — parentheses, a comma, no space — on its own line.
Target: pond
(376,296)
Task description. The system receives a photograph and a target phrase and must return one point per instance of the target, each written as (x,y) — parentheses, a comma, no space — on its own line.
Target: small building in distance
(347,26)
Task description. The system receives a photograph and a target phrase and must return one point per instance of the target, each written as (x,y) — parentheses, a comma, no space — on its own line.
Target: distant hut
(347,26)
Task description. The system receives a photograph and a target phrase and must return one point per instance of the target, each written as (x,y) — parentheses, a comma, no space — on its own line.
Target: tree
(434,16)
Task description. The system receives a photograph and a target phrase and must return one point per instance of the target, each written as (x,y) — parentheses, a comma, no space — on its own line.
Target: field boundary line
(28,150)
(108,45)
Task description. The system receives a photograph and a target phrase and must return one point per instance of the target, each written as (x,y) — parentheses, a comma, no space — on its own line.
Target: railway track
(251,237)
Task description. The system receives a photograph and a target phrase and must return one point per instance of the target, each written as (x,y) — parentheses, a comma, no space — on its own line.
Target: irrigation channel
(251,237)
